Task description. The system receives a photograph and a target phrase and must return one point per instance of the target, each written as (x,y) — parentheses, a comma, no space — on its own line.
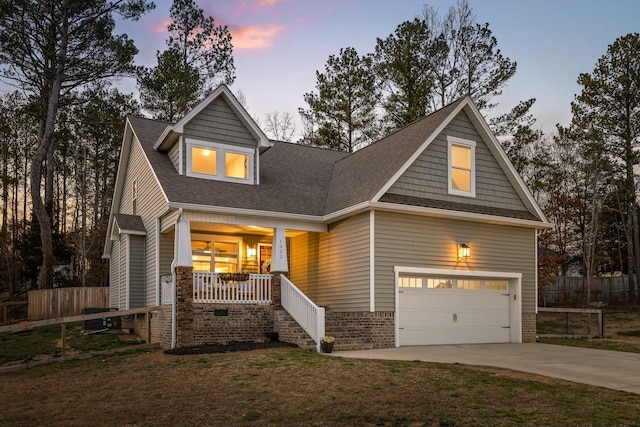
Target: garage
(437,307)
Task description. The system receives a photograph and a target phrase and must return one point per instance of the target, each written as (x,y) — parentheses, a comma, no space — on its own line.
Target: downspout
(174,311)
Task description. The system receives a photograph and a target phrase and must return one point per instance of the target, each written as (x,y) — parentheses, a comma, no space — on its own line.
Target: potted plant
(326,344)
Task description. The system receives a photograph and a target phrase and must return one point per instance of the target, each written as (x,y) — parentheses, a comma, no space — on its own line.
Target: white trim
(221,151)
(535,251)
(420,150)
(181,155)
(372,262)
(463,143)
(128,274)
(515,294)
(157,260)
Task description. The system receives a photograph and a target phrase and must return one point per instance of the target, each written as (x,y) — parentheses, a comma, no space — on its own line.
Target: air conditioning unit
(127,321)
(98,324)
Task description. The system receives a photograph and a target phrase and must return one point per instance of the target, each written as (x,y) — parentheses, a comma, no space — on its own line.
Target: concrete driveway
(603,368)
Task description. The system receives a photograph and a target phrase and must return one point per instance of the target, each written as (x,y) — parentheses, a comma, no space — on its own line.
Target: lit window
(410,282)
(468,284)
(439,283)
(237,165)
(461,167)
(203,160)
(496,285)
(221,162)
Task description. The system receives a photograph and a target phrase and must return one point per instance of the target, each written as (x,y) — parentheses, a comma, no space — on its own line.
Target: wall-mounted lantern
(251,251)
(464,251)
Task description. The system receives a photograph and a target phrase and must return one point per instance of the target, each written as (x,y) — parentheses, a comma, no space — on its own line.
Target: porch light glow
(251,251)
(464,251)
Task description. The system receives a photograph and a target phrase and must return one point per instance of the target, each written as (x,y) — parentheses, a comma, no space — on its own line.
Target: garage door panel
(453,316)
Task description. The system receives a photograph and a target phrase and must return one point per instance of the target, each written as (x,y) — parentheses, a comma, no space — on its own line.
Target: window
(216,161)
(410,282)
(468,284)
(439,283)
(461,155)
(203,160)
(496,285)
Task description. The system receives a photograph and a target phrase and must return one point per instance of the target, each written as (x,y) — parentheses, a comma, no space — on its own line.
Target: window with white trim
(461,166)
(222,162)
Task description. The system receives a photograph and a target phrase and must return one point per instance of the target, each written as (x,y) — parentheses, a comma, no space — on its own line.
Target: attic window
(461,166)
(220,162)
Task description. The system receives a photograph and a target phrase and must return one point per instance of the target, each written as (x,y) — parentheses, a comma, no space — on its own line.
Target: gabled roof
(129,224)
(171,132)
(322,184)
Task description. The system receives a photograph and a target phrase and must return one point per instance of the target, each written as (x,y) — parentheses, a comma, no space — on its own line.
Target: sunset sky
(279,44)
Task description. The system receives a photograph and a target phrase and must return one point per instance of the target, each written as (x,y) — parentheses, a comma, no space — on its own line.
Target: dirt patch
(230,347)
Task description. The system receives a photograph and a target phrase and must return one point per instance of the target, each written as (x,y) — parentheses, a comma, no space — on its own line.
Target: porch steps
(346,337)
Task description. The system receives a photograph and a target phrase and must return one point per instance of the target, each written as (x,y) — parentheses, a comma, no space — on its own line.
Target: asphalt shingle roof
(304,180)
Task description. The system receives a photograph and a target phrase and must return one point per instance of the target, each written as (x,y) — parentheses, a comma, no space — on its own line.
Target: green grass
(597,343)
(44,341)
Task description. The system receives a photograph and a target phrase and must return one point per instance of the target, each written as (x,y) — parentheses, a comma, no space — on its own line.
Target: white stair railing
(308,315)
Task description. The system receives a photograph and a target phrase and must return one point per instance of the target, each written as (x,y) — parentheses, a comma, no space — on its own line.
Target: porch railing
(210,287)
(308,315)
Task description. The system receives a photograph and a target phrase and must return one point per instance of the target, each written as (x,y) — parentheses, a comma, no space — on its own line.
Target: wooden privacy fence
(62,302)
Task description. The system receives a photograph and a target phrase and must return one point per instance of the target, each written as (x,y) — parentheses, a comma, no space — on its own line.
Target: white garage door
(449,310)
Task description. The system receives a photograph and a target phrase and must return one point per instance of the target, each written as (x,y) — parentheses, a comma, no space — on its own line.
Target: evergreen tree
(343,110)
(198,58)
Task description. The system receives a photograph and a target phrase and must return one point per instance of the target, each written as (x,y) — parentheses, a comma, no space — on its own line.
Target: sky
(280,44)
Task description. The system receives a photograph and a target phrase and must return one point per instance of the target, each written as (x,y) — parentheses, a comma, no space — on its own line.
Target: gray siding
(333,268)
(418,241)
(122,270)
(136,272)
(151,204)
(427,176)
(174,155)
(219,123)
(166,253)
(114,275)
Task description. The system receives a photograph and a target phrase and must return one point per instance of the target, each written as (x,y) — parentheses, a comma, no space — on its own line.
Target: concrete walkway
(603,368)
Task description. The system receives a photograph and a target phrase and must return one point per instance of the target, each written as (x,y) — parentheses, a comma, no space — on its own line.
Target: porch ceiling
(209,227)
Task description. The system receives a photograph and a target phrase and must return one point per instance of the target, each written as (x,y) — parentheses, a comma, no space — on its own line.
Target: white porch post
(279,252)
(182,252)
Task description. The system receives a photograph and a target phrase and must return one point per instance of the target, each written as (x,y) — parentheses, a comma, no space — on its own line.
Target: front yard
(289,386)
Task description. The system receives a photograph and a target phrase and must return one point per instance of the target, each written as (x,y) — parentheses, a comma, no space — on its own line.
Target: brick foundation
(528,327)
(222,323)
(378,328)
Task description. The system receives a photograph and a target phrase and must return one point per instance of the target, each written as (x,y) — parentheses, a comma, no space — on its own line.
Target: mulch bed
(227,348)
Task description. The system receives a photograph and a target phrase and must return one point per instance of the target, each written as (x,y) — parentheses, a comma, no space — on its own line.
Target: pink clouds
(268,3)
(255,36)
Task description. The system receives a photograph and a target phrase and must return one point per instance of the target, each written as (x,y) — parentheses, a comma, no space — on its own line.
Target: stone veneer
(528,327)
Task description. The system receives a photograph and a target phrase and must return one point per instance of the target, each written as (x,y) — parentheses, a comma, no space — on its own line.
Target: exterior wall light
(464,251)
(251,251)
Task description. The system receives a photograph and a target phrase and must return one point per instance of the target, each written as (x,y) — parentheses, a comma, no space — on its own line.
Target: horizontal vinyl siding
(136,272)
(122,270)
(114,275)
(427,177)
(151,204)
(333,268)
(418,241)
(219,123)
(174,155)
(166,253)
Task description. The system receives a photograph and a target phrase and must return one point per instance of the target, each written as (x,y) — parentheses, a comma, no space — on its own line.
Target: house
(427,236)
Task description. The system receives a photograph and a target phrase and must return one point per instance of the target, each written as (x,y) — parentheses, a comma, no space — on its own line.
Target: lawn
(291,387)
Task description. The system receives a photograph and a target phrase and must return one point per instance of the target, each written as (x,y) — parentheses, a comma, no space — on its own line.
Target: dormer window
(462,166)
(217,161)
